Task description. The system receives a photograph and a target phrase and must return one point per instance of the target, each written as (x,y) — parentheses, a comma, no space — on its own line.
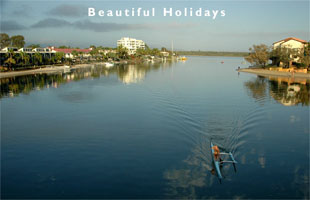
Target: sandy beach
(266,72)
(46,70)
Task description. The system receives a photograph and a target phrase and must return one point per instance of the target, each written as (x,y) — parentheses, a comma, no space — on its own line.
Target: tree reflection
(25,84)
(285,90)
(257,88)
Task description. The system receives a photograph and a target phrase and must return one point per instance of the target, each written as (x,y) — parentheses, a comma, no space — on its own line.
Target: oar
(228,161)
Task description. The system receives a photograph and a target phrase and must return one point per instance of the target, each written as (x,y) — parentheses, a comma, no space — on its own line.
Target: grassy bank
(212,53)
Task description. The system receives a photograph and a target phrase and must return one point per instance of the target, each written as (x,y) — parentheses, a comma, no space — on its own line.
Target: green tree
(93,47)
(18,41)
(102,56)
(283,55)
(59,56)
(37,58)
(155,52)
(140,52)
(304,55)
(4,40)
(111,55)
(122,52)
(259,55)
(25,58)
(10,61)
(93,53)
(75,53)
(147,47)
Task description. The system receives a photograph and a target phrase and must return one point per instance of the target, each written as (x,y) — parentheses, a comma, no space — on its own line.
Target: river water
(144,131)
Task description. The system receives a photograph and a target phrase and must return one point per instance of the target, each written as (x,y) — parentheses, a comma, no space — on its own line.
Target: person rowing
(218,162)
(217,153)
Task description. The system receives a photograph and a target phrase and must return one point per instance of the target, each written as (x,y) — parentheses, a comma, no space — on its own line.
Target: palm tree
(122,52)
(102,56)
(74,53)
(155,52)
(93,53)
(37,58)
(25,58)
(59,56)
(10,60)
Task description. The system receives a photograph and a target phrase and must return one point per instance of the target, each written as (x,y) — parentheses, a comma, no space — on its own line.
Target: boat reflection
(285,90)
(127,74)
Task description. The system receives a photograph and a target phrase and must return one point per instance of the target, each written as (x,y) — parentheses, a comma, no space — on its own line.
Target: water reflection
(285,90)
(25,84)
(184,183)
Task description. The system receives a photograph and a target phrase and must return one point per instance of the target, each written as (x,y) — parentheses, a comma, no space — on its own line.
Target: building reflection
(127,74)
(132,74)
(285,90)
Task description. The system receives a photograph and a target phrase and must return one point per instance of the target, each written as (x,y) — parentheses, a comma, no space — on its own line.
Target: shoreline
(266,73)
(45,70)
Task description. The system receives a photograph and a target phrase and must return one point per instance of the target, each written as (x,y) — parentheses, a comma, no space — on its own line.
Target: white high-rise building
(131,44)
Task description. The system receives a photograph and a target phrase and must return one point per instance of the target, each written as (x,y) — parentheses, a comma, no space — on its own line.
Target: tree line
(260,55)
(16,40)
(12,60)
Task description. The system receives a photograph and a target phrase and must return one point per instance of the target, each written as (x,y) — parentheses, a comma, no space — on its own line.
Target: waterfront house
(291,43)
(45,52)
(131,44)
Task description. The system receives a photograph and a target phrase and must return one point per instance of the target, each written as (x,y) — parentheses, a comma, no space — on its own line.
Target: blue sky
(246,23)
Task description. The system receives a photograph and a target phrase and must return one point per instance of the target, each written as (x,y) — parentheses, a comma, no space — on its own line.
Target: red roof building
(292,38)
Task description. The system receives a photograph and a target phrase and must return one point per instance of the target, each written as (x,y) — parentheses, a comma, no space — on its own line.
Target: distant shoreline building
(68,52)
(45,52)
(131,44)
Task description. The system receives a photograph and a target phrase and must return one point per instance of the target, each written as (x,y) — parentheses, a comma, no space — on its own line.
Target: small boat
(108,64)
(218,162)
(66,66)
(183,58)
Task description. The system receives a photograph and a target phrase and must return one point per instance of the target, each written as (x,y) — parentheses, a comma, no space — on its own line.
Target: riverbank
(45,70)
(266,72)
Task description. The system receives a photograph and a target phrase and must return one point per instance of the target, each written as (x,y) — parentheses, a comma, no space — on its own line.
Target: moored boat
(108,64)
(183,58)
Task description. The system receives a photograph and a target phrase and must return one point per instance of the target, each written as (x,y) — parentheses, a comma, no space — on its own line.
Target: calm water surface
(144,132)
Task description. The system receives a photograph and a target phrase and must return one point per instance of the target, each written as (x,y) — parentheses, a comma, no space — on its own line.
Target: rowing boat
(218,162)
